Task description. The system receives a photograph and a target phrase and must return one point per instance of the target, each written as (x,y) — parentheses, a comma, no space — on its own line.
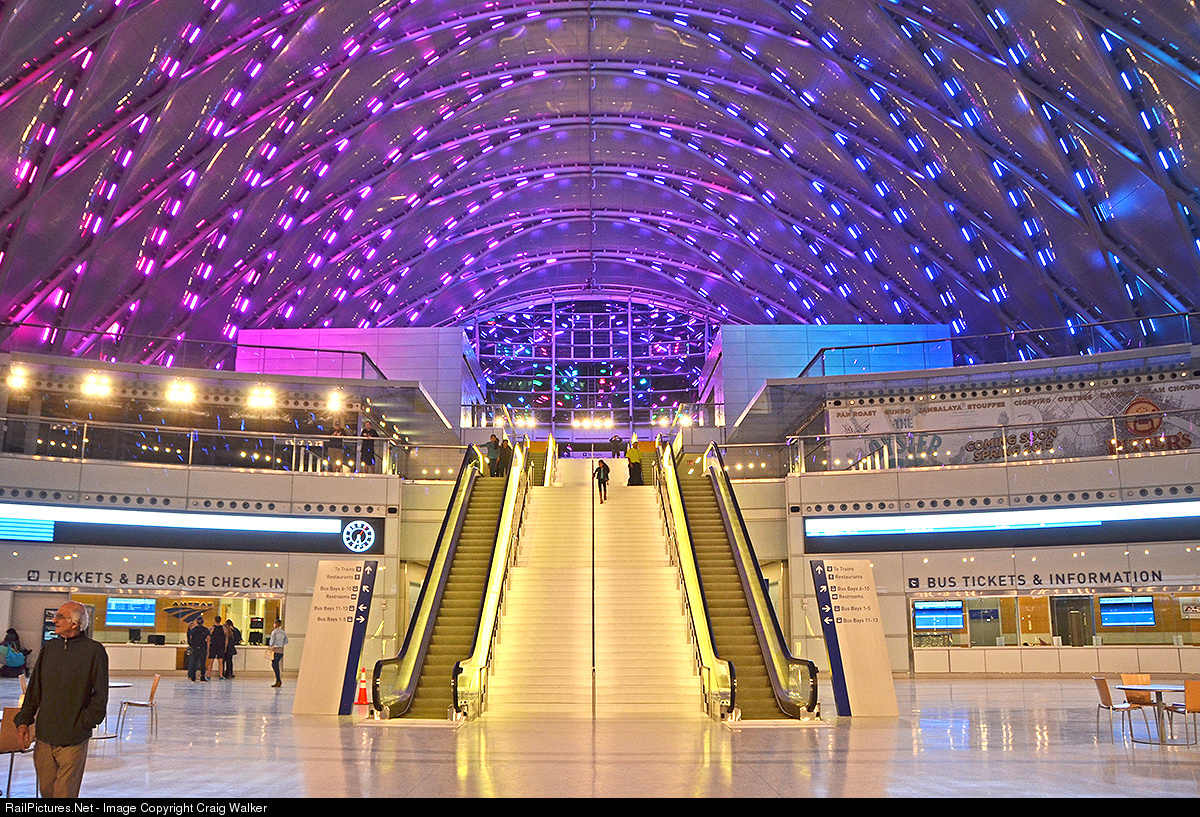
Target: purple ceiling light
(186,170)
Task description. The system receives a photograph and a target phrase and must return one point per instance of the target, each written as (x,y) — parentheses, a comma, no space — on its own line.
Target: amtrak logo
(358,536)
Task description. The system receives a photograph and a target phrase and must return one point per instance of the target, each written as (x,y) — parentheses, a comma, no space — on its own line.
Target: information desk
(1160,710)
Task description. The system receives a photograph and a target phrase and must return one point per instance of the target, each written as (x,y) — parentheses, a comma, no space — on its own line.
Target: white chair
(148,704)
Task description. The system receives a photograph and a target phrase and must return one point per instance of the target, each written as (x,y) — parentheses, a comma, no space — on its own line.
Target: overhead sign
(337,626)
(853,629)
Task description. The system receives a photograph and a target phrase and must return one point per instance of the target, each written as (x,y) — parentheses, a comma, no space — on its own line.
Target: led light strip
(1030,519)
(27,516)
(26,530)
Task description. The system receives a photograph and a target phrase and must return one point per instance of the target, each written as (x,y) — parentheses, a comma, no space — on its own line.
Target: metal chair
(1190,706)
(1126,709)
(1134,696)
(148,704)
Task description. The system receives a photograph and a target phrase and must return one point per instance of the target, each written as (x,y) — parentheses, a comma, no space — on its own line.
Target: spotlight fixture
(180,391)
(261,397)
(95,385)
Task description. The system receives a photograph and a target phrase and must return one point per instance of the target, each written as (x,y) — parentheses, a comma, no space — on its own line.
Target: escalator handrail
(778,658)
(551,461)
(412,653)
(469,678)
(717,674)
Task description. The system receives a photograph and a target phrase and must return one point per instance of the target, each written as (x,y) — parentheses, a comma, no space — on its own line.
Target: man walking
(67,697)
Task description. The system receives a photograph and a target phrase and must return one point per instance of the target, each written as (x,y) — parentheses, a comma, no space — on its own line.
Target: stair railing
(394,680)
(717,678)
(470,676)
(551,461)
(794,680)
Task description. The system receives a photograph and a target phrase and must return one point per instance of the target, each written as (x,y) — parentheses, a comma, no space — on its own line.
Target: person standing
(277,641)
(336,449)
(197,639)
(66,699)
(216,650)
(634,456)
(492,449)
(601,474)
(506,457)
(233,637)
(367,447)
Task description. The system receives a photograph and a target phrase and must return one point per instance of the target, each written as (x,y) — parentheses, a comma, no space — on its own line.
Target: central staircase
(593,622)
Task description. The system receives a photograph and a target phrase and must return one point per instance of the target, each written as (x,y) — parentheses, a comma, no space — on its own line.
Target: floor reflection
(954,738)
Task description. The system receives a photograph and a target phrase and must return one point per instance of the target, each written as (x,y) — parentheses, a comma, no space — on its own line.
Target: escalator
(458,614)
(420,681)
(767,682)
(537,463)
(734,634)
(543,456)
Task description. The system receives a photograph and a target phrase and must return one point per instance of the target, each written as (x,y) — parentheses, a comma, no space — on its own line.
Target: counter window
(1064,620)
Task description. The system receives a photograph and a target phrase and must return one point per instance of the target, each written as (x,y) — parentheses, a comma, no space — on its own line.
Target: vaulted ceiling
(181,170)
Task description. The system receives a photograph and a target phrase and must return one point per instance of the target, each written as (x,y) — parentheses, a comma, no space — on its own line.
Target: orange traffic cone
(362,688)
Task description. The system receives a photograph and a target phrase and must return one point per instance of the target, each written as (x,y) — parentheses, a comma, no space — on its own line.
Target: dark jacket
(197,639)
(68,693)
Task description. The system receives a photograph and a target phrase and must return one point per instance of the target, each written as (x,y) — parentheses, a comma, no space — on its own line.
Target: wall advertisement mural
(999,425)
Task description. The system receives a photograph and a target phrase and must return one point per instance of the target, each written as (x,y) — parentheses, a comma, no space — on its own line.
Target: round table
(1159,710)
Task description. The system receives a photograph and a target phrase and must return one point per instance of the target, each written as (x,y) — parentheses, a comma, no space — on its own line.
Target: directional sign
(849,612)
(337,626)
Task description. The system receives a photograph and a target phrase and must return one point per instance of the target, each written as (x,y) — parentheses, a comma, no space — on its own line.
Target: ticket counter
(149,634)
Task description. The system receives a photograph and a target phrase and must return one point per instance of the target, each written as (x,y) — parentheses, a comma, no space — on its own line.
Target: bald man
(67,697)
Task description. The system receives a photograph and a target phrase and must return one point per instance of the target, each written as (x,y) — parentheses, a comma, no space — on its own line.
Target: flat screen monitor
(945,614)
(129,612)
(1126,611)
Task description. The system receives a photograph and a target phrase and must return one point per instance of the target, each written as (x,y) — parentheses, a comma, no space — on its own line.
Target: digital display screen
(946,614)
(126,612)
(1007,528)
(184,529)
(1126,611)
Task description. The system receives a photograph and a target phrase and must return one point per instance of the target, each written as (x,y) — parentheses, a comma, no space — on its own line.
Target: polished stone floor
(954,738)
